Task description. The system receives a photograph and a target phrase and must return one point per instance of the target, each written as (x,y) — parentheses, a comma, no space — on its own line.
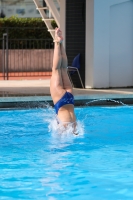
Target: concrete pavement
(12,92)
(41,87)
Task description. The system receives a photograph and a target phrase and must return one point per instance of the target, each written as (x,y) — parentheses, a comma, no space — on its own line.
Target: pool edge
(80,100)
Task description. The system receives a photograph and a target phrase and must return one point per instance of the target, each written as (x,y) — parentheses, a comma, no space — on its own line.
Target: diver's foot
(58,35)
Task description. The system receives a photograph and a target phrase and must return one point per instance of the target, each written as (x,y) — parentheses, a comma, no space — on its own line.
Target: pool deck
(12,92)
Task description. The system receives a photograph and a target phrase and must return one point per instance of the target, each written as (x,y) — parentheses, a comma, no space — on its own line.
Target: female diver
(60,86)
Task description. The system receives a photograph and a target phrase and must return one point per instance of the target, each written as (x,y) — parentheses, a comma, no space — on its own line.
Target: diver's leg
(65,78)
(56,84)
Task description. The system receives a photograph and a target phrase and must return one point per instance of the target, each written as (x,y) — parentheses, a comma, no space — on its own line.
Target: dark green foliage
(24,28)
(53,23)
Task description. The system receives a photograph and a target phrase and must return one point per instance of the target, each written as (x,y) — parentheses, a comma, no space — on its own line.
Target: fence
(25,57)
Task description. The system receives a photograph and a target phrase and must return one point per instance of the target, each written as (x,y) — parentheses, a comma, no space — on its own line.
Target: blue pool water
(37,163)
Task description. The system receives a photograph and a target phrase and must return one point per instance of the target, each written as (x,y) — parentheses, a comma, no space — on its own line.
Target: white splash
(53,127)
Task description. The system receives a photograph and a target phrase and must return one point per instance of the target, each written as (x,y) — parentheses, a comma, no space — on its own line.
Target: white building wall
(121,45)
(89,49)
(22,8)
(109,43)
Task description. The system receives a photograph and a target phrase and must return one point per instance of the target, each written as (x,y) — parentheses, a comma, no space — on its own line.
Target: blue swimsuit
(68,98)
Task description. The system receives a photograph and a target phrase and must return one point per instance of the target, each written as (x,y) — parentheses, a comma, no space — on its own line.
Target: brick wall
(28,60)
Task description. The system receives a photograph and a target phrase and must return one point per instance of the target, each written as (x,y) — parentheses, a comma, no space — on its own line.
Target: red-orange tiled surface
(27,75)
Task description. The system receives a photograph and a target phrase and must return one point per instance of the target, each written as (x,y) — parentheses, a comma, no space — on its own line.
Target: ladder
(51,7)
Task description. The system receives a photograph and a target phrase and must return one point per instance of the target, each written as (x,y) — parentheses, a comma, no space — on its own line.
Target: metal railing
(25,57)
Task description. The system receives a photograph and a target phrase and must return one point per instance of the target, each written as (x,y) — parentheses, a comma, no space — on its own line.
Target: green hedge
(26,28)
(53,23)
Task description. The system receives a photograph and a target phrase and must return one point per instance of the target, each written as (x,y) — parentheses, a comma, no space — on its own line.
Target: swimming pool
(37,163)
